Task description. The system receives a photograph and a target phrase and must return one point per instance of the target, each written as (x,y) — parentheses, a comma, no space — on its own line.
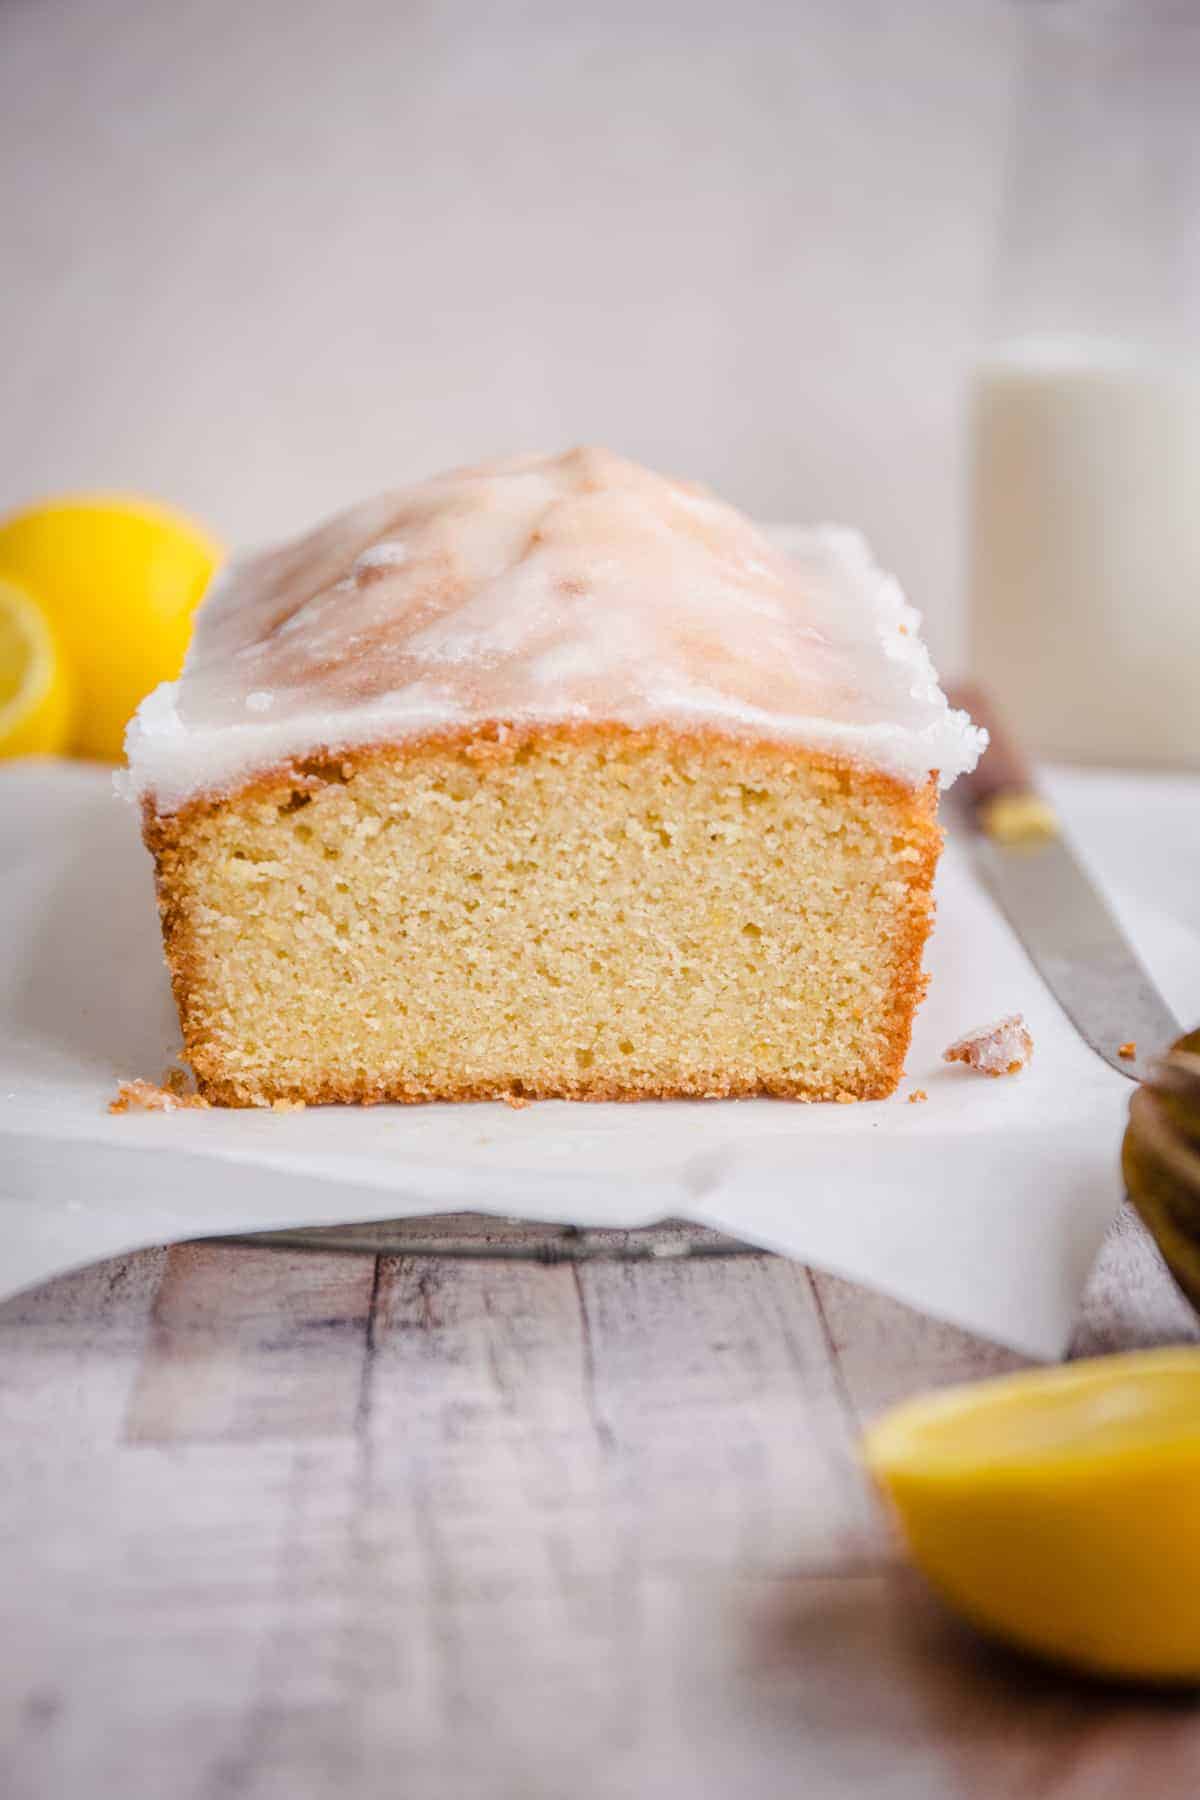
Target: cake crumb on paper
(288,1105)
(1003,1048)
(153,1096)
(1128,1050)
(517,1101)
(917,1096)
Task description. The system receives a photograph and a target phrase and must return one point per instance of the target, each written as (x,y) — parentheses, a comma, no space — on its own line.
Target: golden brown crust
(167,838)
(236,1093)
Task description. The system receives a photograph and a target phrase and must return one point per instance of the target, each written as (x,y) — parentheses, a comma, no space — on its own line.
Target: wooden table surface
(281,1525)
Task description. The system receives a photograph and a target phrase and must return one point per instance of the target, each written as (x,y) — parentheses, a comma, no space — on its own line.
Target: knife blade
(1062,921)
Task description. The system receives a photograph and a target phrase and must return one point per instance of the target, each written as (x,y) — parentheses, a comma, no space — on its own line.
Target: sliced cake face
(578,588)
(585,912)
(548,778)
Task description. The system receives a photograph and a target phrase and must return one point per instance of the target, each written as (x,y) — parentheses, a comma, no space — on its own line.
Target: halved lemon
(1060,1508)
(120,578)
(35,693)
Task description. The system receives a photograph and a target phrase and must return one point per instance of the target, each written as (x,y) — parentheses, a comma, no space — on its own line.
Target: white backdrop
(261,258)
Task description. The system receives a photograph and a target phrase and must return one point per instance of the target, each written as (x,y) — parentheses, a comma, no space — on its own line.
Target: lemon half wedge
(119,577)
(1060,1508)
(35,695)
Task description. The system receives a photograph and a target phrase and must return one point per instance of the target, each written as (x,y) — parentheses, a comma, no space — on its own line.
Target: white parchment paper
(984,1206)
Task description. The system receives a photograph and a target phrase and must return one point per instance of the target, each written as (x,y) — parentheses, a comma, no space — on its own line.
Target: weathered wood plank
(1131,1302)
(161,1637)
(885,1351)
(533,1466)
(496,1529)
(254,1344)
(490,1529)
(865,1685)
(152,1585)
(716,1378)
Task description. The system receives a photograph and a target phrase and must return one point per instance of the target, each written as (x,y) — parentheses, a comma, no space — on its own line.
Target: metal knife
(1047,897)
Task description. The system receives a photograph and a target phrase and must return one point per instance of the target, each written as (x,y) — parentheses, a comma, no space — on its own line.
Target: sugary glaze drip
(546,589)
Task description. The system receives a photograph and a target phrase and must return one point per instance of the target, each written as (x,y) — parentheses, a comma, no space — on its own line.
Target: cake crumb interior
(591,914)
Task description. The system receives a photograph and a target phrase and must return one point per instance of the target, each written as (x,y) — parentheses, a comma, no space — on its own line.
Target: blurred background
(263,258)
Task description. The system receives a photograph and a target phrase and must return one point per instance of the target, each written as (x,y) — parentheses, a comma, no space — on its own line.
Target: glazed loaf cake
(548,778)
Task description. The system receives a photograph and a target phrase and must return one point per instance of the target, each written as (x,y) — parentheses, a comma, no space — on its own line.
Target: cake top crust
(544,590)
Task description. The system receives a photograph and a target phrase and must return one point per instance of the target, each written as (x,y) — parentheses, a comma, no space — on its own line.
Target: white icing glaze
(545,589)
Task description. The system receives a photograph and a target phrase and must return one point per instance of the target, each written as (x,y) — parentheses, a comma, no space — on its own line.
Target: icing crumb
(1127,1050)
(1000,1049)
(916,1097)
(151,1096)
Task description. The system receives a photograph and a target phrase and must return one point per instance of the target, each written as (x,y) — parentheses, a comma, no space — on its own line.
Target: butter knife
(1048,898)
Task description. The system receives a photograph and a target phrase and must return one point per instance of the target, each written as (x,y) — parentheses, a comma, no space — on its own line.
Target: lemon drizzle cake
(550,777)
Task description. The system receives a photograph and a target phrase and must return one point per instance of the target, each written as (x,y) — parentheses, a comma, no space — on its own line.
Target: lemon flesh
(1060,1508)
(120,579)
(35,695)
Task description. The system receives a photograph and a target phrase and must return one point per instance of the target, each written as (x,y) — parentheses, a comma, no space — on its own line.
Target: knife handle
(1001,795)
